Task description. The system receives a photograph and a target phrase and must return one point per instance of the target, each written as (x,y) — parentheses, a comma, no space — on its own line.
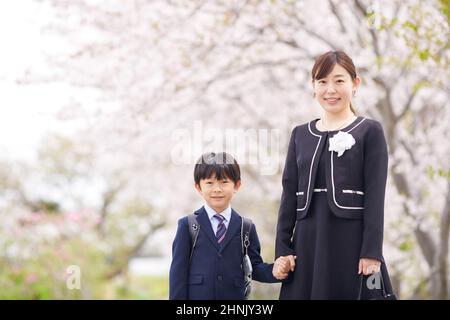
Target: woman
(330,222)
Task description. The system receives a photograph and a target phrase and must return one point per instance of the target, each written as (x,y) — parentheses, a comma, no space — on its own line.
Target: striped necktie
(221,228)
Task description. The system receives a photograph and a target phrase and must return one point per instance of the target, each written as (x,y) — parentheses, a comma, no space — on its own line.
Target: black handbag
(378,293)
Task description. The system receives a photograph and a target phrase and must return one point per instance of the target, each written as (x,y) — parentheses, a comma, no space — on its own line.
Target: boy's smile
(217,193)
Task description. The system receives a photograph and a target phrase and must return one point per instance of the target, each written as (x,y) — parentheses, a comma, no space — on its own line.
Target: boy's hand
(282,266)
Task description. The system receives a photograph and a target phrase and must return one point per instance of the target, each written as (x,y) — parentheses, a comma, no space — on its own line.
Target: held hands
(368,266)
(282,266)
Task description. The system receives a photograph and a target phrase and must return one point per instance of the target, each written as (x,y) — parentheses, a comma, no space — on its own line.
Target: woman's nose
(330,88)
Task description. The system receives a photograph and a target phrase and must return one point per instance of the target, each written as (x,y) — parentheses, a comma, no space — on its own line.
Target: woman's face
(334,92)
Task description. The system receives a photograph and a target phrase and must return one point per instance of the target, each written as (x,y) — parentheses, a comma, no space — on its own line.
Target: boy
(214,271)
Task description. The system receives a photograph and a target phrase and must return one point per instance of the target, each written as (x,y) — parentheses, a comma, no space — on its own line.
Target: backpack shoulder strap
(245,234)
(194,229)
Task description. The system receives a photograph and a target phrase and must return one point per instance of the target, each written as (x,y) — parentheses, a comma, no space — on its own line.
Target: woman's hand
(368,266)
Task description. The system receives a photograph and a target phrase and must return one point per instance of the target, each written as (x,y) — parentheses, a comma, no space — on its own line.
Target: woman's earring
(314,95)
(354,93)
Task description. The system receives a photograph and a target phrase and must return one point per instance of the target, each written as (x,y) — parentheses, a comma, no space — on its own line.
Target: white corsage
(340,142)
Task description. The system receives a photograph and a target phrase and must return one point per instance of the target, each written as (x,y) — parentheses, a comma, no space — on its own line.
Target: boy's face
(217,193)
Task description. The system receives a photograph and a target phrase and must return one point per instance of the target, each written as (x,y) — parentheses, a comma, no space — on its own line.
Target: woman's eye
(340,81)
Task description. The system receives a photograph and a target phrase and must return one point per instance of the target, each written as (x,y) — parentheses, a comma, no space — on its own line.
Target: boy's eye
(340,81)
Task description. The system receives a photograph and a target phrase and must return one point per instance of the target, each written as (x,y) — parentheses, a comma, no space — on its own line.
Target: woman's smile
(332,101)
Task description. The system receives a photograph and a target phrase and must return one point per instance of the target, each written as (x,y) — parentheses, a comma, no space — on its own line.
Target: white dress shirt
(214,222)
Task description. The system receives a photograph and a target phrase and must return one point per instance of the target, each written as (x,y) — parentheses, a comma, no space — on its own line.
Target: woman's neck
(334,119)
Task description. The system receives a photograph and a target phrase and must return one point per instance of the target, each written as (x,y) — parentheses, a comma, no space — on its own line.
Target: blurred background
(106,105)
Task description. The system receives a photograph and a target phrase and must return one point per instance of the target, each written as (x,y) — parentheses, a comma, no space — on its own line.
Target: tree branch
(336,13)
(363,11)
(311,32)
(441,262)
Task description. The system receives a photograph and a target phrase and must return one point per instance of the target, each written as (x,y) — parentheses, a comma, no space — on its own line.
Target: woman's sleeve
(288,206)
(375,176)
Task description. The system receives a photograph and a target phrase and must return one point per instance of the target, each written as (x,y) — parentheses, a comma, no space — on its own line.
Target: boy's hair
(222,164)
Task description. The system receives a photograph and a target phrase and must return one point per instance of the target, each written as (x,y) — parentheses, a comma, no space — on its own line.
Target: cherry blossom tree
(161,67)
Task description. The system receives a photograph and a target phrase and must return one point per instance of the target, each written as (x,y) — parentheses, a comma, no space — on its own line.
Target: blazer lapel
(233,227)
(206,228)
(315,166)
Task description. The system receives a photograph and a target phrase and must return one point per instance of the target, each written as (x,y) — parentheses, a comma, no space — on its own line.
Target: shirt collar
(211,212)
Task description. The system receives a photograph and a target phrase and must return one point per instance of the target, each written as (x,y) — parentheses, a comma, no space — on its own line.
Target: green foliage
(265,291)
(424,31)
(143,287)
(421,84)
(406,245)
(44,275)
(444,6)
(47,206)
(410,25)
(439,172)
(44,278)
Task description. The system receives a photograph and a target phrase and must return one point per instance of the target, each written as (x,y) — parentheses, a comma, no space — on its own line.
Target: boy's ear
(197,187)
(237,185)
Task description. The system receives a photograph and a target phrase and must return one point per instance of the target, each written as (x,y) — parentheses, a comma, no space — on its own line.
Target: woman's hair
(325,63)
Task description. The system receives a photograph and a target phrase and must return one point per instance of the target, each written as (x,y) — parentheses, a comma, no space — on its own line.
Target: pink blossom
(31,278)
(74,217)
(36,217)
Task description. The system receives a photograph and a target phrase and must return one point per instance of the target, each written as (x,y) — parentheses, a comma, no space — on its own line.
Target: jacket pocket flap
(195,279)
(350,197)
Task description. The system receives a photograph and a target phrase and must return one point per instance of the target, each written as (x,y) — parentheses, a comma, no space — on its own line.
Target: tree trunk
(439,279)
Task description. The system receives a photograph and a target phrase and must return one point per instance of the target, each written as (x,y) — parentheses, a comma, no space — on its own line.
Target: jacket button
(219,278)
(219,256)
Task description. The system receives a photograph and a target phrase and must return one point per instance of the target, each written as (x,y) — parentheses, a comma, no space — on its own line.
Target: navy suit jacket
(355,182)
(215,271)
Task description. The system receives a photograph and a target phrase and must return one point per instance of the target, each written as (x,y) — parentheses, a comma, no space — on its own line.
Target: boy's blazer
(215,271)
(355,182)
